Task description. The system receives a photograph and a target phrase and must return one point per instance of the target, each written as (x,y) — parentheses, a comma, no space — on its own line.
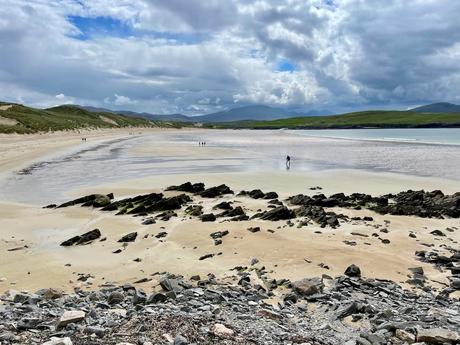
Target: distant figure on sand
(288,162)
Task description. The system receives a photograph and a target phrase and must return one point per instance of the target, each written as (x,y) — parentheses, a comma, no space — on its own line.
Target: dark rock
(224,205)
(188,187)
(206,256)
(156,298)
(131,237)
(214,192)
(82,239)
(270,195)
(208,217)
(353,271)
(279,213)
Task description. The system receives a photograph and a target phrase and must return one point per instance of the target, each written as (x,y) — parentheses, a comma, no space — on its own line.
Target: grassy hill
(365,119)
(16,118)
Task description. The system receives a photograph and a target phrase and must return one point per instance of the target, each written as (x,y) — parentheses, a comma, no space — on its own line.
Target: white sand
(287,251)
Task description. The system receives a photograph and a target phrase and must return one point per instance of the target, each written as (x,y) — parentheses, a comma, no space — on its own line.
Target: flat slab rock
(70,316)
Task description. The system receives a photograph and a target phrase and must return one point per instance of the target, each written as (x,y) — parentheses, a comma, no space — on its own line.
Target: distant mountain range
(252,112)
(442,107)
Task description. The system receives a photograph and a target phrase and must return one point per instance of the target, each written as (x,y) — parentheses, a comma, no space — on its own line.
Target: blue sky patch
(100,26)
(285,66)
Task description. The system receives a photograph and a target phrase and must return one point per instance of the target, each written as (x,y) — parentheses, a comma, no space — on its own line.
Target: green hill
(365,119)
(16,118)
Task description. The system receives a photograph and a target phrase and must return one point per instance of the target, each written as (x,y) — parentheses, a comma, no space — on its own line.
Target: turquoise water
(446,136)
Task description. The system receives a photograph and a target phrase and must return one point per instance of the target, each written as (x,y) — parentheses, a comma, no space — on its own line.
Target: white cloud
(200,56)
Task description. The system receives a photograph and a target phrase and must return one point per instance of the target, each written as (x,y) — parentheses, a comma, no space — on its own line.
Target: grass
(365,119)
(65,117)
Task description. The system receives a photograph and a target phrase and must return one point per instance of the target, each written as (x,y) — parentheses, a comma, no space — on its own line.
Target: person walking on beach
(288,162)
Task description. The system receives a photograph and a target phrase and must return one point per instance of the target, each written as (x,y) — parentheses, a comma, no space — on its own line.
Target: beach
(32,257)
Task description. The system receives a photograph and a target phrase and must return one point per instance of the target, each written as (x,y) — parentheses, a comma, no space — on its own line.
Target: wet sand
(289,252)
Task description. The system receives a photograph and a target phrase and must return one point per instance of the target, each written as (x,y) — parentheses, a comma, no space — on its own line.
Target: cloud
(201,56)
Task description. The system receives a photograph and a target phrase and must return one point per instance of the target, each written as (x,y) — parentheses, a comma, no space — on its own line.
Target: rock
(214,192)
(115,297)
(437,233)
(269,314)
(348,310)
(188,187)
(270,196)
(353,271)
(194,210)
(206,256)
(209,217)
(224,205)
(405,336)
(237,211)
(96,200)
(149,221)
(70,316)
(170,285)
(131,237)
(19,297)
(50,294)
(254,229)
(256,194)
(86,238)
(254,261)
(219,234)
(278,213)
(308,286)
(180,340)
(161,234)
(437,336)
(58,341)
(98,331)
(156,298)
(222,331)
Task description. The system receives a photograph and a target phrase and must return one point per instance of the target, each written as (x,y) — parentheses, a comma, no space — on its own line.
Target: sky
(196,57)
